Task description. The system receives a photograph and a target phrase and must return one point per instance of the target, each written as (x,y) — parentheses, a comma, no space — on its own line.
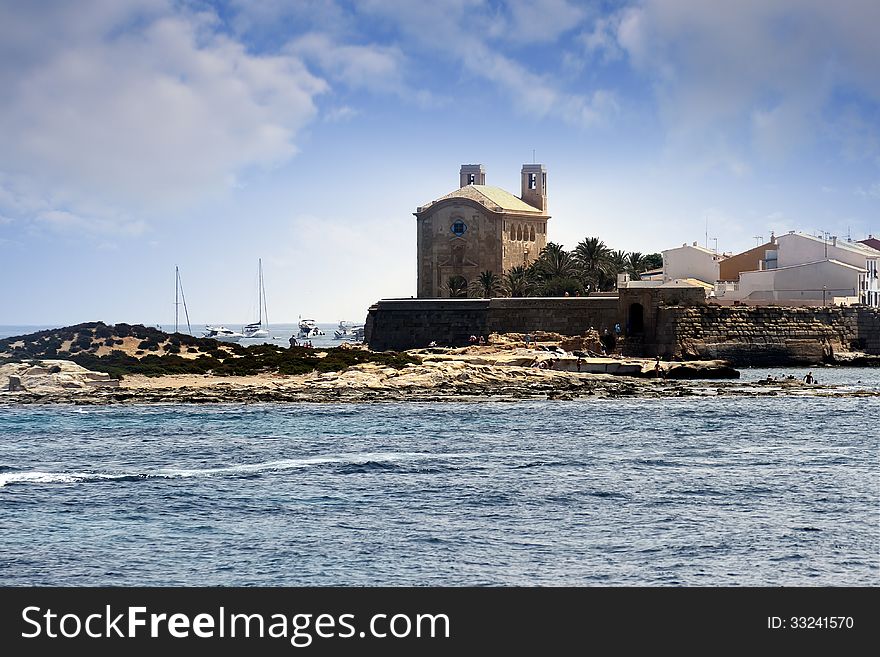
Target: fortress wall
(745,335)
(410,323)
(764,335)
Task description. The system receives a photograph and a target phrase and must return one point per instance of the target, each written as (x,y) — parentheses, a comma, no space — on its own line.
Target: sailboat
(255,330)
(178,294)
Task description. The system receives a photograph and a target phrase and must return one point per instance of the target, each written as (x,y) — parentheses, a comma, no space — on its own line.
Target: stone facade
(674,323)
(764,335)
(411,323)
(479,228)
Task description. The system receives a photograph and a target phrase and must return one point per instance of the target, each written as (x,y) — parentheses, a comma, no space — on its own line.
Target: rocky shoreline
(50,368)
(443,380)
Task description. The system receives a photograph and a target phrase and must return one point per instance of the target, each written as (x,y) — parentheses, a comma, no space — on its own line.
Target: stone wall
(764,335)
(410,323)
(745,335)
(566,315)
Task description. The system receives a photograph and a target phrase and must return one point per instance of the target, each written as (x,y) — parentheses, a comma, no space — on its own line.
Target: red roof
(873,242)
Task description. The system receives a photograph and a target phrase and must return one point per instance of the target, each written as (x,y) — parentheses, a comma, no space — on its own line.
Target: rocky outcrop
(51,376)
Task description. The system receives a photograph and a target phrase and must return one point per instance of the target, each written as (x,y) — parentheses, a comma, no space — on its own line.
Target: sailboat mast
(260,295)
(263,291)
(176,288)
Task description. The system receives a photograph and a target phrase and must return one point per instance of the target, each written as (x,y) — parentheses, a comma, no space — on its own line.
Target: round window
(459,227)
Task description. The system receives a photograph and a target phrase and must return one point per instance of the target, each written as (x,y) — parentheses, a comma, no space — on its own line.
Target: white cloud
(771,68)
(69,222)
(542,20)
(340,114)
(372,67)
(138,105)
(463,31)
(601,39)
(871,192)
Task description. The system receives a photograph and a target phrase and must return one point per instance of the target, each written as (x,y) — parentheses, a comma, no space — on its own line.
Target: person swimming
(809,378)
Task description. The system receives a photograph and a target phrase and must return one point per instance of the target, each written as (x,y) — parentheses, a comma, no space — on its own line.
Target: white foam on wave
(37,477)
(50,477)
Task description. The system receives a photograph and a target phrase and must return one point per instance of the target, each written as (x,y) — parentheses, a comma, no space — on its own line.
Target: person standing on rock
(657,369)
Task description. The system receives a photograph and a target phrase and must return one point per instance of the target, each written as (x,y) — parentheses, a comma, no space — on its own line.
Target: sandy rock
(51,376)
(589,341)
(856,359)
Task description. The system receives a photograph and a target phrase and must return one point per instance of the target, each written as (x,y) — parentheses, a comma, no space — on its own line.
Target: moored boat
(222,334)
(308,328)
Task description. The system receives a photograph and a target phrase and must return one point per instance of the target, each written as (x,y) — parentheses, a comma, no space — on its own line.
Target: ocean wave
(355,462)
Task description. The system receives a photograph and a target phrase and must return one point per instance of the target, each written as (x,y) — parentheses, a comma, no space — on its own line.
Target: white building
(691,261)
(812,270)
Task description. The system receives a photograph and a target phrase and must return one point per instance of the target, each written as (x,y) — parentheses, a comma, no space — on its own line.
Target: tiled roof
(493,198)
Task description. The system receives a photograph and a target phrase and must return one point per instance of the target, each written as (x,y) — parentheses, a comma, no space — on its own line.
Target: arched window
(531,233)
(519,233)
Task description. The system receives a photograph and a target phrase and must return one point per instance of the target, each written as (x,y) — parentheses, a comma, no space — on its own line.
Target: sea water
(659,492)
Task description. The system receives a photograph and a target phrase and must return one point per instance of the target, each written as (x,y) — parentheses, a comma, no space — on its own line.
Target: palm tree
(618,261)
(618,264)
(554,262)
(517,282)
(456,287)
(560,287)
(635,264)
(594,261)
(487,285)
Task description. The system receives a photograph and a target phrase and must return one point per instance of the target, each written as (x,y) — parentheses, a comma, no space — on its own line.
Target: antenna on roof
(533,156)
(758,239)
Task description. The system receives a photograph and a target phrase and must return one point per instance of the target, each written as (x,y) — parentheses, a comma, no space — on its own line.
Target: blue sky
(136,135)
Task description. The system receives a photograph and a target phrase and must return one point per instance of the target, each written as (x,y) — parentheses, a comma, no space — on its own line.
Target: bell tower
(534,186)
(472,174)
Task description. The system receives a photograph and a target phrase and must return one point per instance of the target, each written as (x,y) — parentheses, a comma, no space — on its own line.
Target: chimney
(834,240)
(472,174)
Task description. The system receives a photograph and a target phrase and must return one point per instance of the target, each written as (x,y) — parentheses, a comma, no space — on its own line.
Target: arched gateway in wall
(636,319)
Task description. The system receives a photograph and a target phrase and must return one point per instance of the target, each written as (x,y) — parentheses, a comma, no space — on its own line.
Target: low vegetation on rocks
(102,348)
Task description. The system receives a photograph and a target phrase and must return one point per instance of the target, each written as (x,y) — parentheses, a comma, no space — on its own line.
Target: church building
(480,228)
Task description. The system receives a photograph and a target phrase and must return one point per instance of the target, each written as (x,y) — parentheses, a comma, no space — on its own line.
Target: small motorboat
(309,329)
(222,334)
(347,331)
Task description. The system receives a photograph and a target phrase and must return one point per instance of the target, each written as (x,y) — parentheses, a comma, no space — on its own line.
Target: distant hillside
(121,349)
